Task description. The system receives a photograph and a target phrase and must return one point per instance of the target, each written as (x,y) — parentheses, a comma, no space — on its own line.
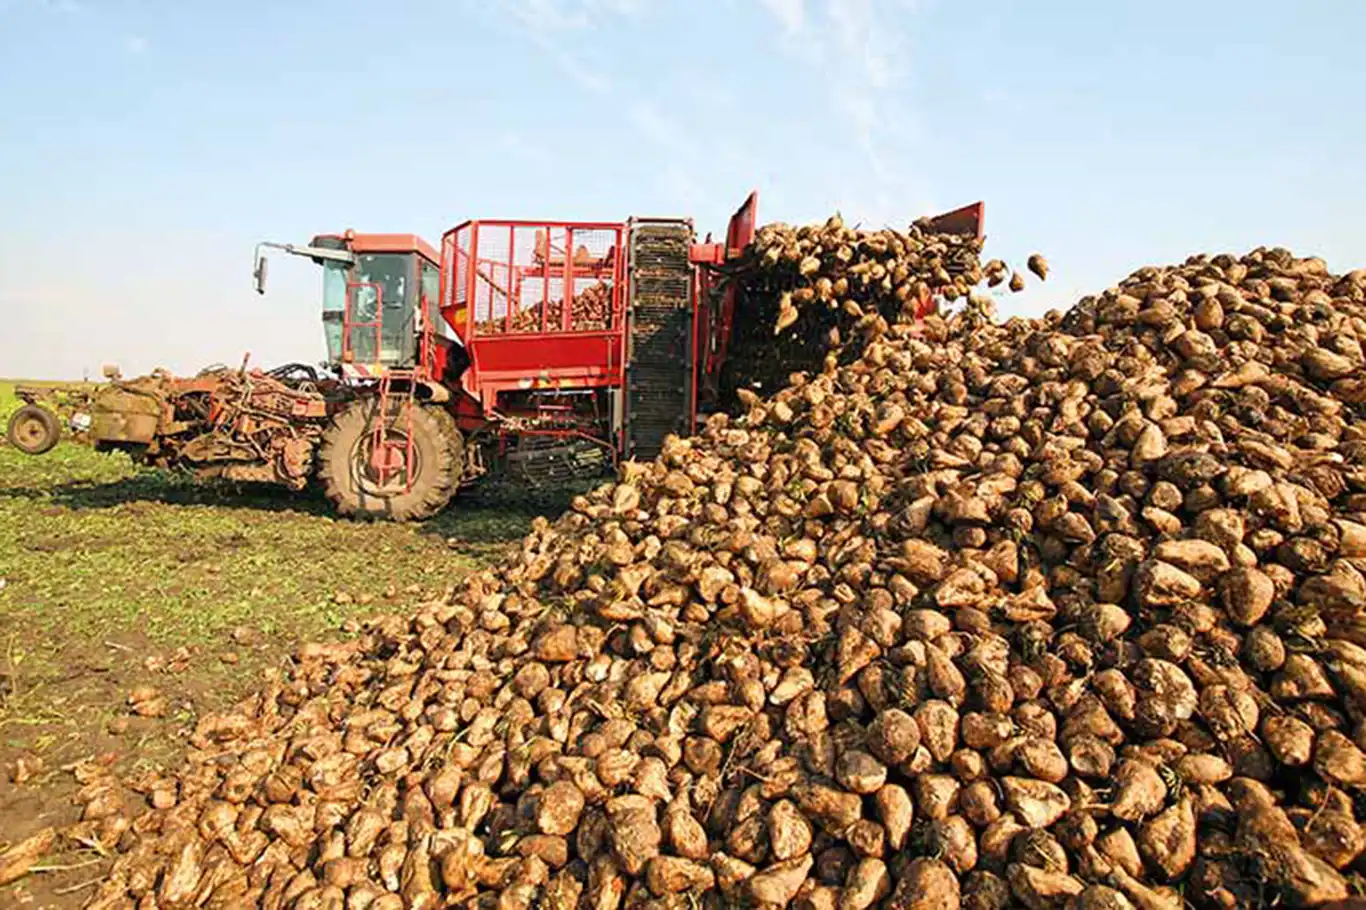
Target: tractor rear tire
(349,484)
(453,436)
(33,430)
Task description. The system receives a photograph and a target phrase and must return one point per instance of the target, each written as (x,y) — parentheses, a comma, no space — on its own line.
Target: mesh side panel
(659,383)
(457,294)
(536,268)
(492,286)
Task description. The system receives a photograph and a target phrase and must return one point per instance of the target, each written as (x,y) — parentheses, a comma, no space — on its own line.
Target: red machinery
(574,330)
(541,347)
(533,340)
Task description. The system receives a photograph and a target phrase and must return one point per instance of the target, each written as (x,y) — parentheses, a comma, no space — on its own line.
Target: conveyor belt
(659,372)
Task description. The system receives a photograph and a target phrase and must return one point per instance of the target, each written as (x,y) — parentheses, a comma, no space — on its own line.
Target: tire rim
(30,432)
(366,471)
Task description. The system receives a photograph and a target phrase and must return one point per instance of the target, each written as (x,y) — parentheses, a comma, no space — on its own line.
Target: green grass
(98,555)
(92,545)
(109,571)
(7,400)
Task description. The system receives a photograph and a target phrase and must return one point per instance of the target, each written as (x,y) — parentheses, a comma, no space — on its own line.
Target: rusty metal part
(236,424)
(58,397)
(70,404)
(33,429)
(545,460)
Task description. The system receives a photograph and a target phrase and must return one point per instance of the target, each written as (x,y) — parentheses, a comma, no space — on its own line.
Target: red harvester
(540,348)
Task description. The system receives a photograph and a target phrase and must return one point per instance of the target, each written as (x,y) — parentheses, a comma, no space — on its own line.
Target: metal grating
(659,371)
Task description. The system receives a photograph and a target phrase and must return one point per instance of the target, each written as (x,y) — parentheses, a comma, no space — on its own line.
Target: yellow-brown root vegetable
(1056,613)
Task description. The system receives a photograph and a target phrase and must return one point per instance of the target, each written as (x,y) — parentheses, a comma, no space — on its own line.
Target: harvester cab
(379,301)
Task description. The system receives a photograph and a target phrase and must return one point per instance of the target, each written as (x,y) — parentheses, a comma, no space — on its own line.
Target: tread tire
(438,465)
(453,435)
(27,419)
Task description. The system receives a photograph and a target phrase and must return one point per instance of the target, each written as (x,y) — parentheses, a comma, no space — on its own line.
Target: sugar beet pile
(1051,613)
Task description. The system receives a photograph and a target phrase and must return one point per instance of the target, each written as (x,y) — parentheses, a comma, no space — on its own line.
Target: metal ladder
(381,447)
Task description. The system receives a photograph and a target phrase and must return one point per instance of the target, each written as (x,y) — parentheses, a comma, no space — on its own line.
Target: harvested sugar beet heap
(1056,613)
(590,310)
(810,285)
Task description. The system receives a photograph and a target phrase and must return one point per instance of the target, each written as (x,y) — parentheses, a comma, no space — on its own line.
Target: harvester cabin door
(382,310)
(362,327)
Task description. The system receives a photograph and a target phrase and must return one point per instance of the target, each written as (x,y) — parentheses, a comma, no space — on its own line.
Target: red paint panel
(581,360)
(740,231)
(967,221)
(392,243)
(739,234)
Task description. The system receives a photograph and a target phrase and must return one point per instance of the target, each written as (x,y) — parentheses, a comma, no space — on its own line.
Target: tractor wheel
(33,430)
(352,480)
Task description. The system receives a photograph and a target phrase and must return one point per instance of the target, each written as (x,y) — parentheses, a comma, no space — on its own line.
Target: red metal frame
(967,221)
(381,447)
(431,355)
(563,356)
(348,351)
(391,243)
(426,342)
(429,361)
(712,320)
(696,355)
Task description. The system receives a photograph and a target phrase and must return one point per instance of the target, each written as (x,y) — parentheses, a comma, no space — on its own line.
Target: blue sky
(146,146)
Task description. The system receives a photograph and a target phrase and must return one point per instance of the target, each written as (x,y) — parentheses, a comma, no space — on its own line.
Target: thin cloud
(682,158)
(548,15)
(683,153)
(791,14)
(854,45)
(615,7)
(861,60)
(581,73)
(519,146)
(545,22)
(577,15)
(863,37)
(656,126)
(135,44)
(62,7)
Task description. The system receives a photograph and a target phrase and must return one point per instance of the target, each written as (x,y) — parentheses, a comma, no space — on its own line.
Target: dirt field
(113,577)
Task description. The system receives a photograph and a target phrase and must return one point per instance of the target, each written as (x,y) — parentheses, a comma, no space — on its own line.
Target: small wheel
(362,482)
(33,430)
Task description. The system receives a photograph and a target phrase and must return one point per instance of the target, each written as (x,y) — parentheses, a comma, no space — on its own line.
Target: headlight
(80,422)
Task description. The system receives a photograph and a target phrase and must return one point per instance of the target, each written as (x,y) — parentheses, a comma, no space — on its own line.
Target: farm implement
(534,349)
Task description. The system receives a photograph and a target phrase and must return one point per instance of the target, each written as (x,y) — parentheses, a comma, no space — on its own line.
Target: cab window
(383,293)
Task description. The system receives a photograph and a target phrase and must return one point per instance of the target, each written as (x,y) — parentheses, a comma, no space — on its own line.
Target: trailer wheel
(33,430)
(351,479)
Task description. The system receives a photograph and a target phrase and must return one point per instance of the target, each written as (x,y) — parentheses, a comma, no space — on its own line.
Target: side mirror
(259,274)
